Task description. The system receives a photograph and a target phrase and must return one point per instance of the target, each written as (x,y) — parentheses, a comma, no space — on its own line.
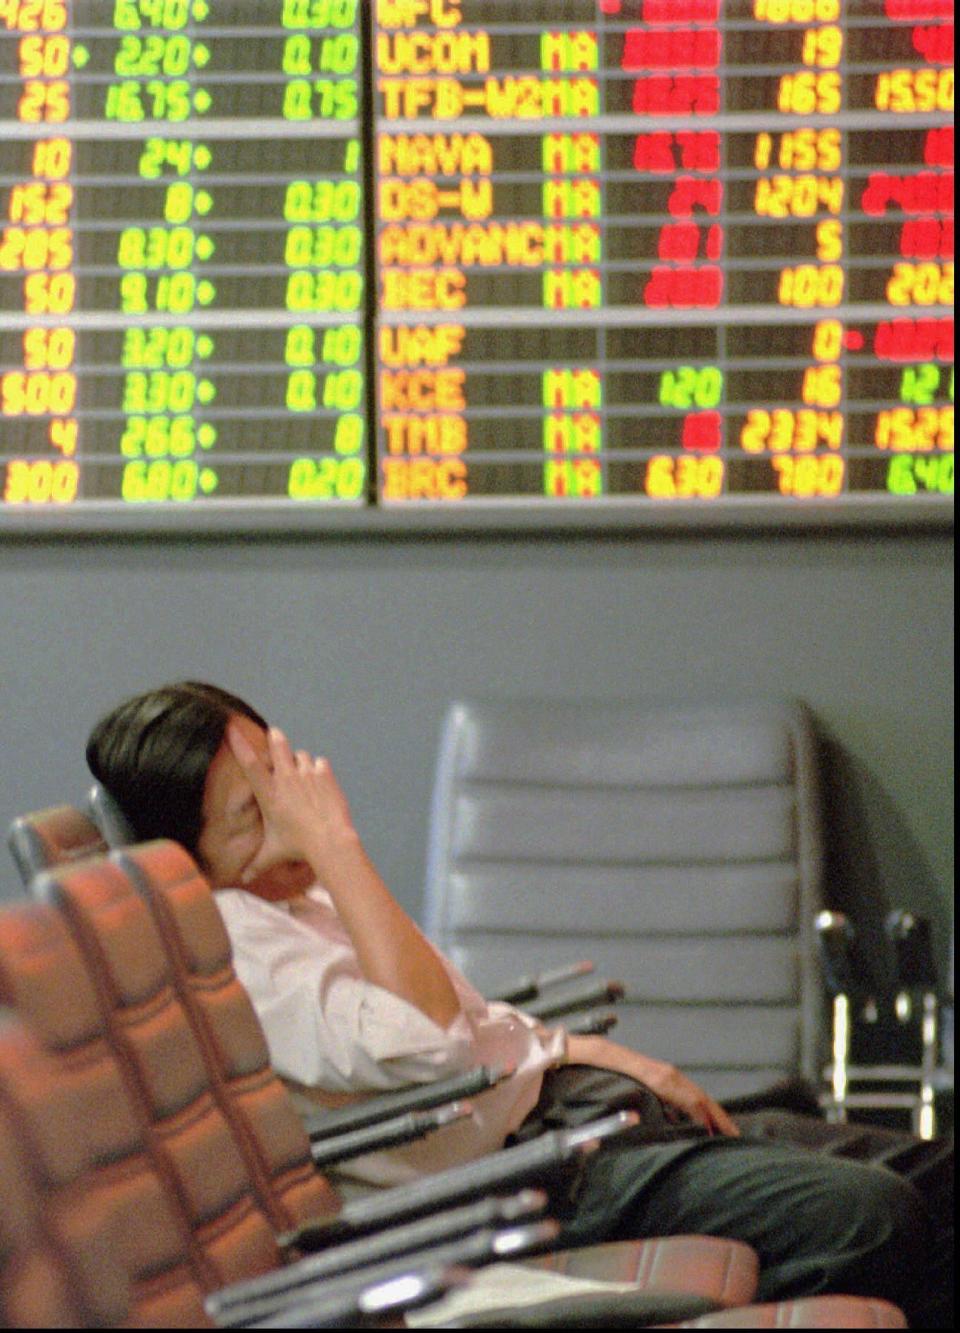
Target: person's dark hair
(152,754)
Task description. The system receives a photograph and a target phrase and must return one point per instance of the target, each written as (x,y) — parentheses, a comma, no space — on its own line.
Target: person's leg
(927,1164)
(818,1224)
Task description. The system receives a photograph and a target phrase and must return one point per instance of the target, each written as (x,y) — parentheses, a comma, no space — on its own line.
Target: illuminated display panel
(665,250)
(182,264)
(587,258)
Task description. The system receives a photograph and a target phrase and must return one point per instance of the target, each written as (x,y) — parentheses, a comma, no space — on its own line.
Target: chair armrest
(480,1248)
(573,1001)
(390,1134)
(417,1097)
(530,1163)
(530,988)
(593,1025)
(391,1244)
(356,1303)
(485,1245)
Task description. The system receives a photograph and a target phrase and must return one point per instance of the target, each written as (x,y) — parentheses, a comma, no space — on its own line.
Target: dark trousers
(828,1208)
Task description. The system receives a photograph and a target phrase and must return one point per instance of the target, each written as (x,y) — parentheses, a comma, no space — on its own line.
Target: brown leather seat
(196,1145)
(709,1266)
(61,1237)
(179,923)
(161,962)
(811,1312)
(59,1265)
(43,976)
(52,837)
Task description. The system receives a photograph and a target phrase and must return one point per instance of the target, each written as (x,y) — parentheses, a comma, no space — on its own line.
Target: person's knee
(866,1235)
(889,1233)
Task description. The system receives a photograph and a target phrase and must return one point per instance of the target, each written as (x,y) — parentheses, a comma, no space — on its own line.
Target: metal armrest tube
(393,1243)
(602,992)
(400,1129)
(352,1304)
(530,1163)
(593,1025)
(479,1247)
(528,988)
(374,1110)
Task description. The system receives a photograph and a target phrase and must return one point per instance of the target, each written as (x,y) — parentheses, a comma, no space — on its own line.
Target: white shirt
(329,1029)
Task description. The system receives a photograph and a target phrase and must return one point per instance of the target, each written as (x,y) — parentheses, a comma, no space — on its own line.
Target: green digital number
(157,247)
(133,293)
(323,247)
(145,483)
(131,101)
(130,15)
(124,102)
(132,247)
(125,15)
(326,479)
(158,437)
(299,349)
(176,293)
(181,154)
(348,436)
(145,57)
(322,201)
(900,475)
(324,291)
(170,101)
(342,389)
(909,473)
(302,391)
(159,391)
(687,387)
(920,384)
(342,346)
(328,99)
(337,55)
(318,13)
(934,472)
(154,349)
(178,202)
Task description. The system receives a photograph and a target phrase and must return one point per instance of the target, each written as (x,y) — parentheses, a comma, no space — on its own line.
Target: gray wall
(357,646)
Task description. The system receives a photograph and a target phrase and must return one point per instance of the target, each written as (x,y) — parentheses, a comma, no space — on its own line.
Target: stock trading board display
(632,258)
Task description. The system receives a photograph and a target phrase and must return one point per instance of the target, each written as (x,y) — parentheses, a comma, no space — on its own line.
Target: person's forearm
(391,950)
(664,1079)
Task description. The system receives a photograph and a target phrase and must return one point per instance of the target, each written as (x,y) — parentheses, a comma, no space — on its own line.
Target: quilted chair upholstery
(679,848)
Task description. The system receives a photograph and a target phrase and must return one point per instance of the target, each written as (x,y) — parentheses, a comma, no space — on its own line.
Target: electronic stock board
(323,262)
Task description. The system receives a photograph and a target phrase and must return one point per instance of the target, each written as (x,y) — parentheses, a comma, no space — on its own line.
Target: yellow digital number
(921,284)
(810,285)
(808,477)
(684,478)
(41,482)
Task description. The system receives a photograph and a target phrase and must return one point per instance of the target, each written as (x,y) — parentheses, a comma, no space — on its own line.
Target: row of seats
(155,1173)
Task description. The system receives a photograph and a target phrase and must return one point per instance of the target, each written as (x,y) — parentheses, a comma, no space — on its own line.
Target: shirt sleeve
(327,1026)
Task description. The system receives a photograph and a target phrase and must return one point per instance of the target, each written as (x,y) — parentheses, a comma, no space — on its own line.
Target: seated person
(355,1000)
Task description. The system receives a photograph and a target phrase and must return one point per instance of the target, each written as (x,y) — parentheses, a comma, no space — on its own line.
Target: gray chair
(680,848)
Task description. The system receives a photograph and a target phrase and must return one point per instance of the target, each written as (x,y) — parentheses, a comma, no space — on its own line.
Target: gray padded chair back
(677,847)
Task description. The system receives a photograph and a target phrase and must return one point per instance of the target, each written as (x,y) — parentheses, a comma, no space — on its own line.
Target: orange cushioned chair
(226,1209)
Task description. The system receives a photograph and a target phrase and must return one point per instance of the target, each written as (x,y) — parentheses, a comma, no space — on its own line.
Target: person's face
(232,831)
